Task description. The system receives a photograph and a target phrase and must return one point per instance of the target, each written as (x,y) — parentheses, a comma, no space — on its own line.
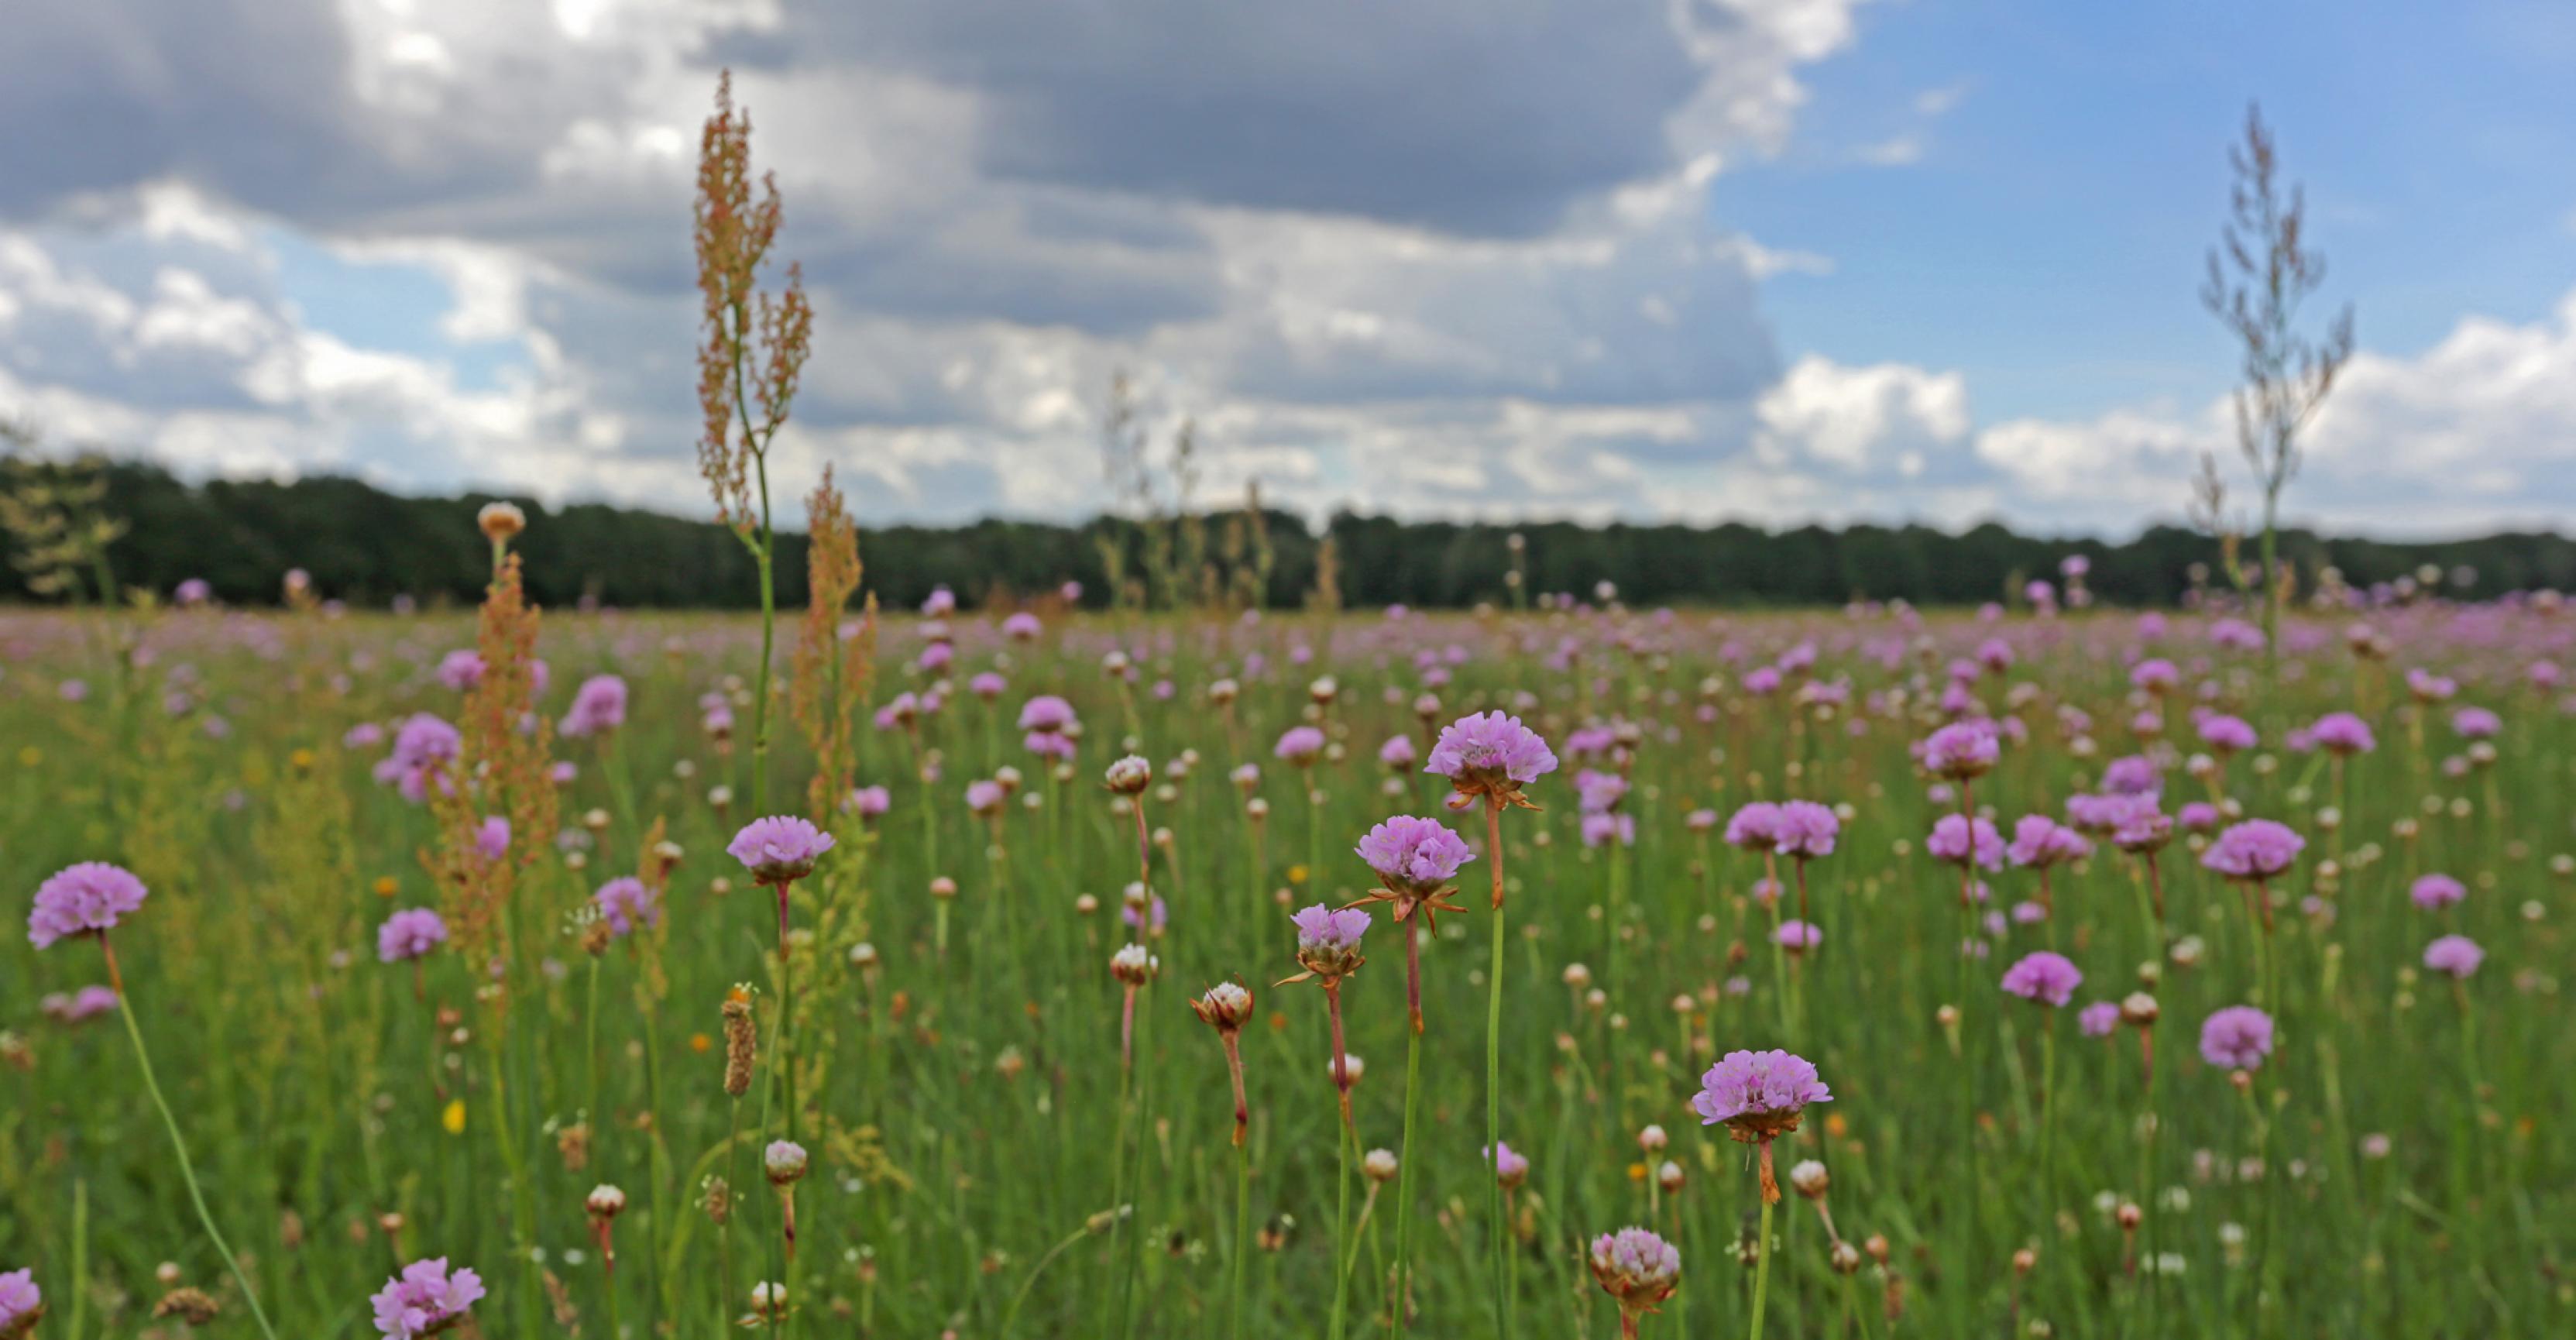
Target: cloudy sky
(1766,259)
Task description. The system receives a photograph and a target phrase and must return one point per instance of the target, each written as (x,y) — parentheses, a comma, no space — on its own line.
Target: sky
(1769,260)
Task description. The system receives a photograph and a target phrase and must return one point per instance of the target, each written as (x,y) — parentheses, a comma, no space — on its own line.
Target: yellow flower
(454,1117)
(386,886)
(30,756)
(1296,874)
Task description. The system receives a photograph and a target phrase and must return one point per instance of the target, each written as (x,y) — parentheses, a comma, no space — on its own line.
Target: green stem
(1494,1072)
(187,1169)
(1762,1269)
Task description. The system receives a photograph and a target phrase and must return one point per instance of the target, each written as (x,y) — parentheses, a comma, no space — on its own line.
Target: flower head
(1414,854)
(21,1302)
(2342,733)
(2040,842)
(779,849)
(1129,776)
(1961,841)
(1491,755)
(2047,978)
(1758,1095)
(2436,891)
(1225,1007)
(1300,745)
(2254,849)
(783,1162)
(1961,750)
(627,904)
(2099,1019)
(1637,1268)
(1328,942)
(410,934)
(598,705)
(83,899)
(1511,1167)
(1755,827)
(425,1299)
(2237,1037)
(2457,955)
(1798,936)
(1806,829)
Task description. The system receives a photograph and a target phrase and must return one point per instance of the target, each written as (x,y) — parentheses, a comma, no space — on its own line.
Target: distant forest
(367,546)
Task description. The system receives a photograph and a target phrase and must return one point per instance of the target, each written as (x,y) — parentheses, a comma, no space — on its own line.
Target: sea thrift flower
(425,1299)
(627,904)
(1806,829)
(2476,723)
(1491,755)
(869,802)
(2457,955)
(461,669)
(1961,751)
(2342,733)
(1328,942)
(2237,1037)
(1415,857)
(2227,734)
(1511,1168)
(492,840)
(2049,979)
(779,849)
(2039,842)
(83,899)
(1755,827)
(2255,849)
(1798,936)
(410,934)
(422,745)
(1398,753)
(1962,841)
(1300,746)
(1638,1269)
(2437,891)
(1129,776)
(1758,1095)
(783,1162)
(598,705)
(81,1006)
(21,1303)
(2099,1019)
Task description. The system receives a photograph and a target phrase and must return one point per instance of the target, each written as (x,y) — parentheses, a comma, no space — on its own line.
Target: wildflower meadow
(1030,965)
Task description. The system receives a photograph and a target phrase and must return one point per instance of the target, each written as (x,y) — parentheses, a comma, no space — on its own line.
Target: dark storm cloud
(1481,116)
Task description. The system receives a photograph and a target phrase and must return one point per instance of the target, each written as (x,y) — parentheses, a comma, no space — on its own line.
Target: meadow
(2192,1055)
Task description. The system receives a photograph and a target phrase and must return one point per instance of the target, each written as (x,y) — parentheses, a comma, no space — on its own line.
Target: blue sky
(1781,260)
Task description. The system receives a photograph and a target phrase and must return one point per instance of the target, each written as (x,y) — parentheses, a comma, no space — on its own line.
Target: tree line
(369,547)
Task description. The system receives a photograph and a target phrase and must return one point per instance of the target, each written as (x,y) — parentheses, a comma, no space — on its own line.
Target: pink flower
(2342,733)
(1414,853)
(2047,978)
(1045,714)
(1755,827)
(84,899)
(2437,891)
(2227,734)
(425,1299)
(1960,841)
(1490,752)
(410,934)
(1798,936)
(2098,1019)
(2254,849)
(779,849)
(1300,745)
(1636,1267)
(2237,1037)
(598,705)
(21,1302)
(1961,750)
(1806,829)
(627,904)
(2039,842)
(1511,1168)
(2476,723)
(2457,955)
(1760,1093)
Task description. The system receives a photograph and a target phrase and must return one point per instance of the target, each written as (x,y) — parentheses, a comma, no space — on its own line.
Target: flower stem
(187,1169)
(1494,1072)
(1762,1262)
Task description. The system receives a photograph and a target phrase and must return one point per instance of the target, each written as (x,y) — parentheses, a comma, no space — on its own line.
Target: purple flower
(869,802)
(421,745)
(461,669)
(492,840)
(1755,827)
(425,1299)
(2099,1018)
(1700,821)
(1398,753)
(1489,753)
(2457,955)
(1806,829)
(84,899)
(2197,817)
(984,796)
(2047,978)
(2476,723)
(1961,750)
(2342,733)
(1300,745)
(1137,919)
(2227,734)
(410,934)
(1021,627)
(627,903)
(987,686)
(2437,891)
(1045,714)
(598,705)
(1798,936)
(1960,841)
(1327,929)
(2254,849)
(1599,792)
(21,1302)
(2237,1037)
(1511,1168)
(1601,829)
(779,849)
(1636,1267)
(2134,775)
(79,1007)
(2138,826)
(1414,853)
(1760,1093)
(2039,842)
(2155,676)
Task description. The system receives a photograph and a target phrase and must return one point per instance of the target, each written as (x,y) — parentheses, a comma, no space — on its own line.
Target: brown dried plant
(832,666)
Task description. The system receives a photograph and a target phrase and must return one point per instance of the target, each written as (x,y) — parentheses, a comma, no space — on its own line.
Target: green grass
(974,1135)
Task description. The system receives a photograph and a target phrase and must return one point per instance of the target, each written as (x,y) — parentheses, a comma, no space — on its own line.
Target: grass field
(944,1034)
